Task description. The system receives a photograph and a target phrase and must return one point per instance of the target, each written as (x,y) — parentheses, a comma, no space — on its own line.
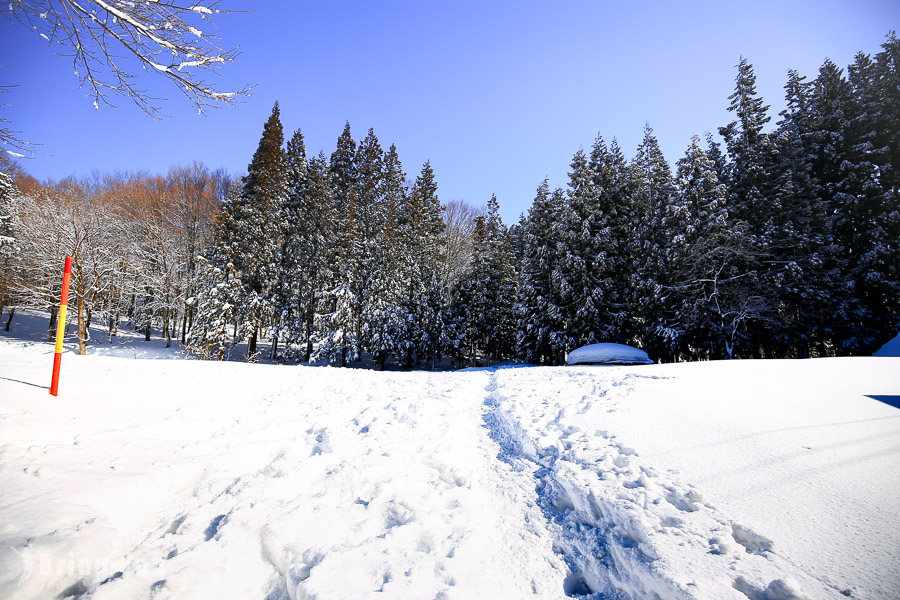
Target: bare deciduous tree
(459,226)
(111,41)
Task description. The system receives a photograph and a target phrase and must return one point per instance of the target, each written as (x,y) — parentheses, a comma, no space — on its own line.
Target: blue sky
(497,95)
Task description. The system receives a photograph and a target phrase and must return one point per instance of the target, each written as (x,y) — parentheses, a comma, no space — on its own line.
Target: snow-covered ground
(767,480)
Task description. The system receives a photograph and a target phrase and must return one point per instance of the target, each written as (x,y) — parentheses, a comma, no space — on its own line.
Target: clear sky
(497,95)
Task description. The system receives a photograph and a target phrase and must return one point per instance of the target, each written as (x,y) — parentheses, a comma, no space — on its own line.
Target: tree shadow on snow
(889,400)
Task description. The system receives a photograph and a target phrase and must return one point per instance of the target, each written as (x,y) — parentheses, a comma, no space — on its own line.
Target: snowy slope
(711,477)
(185,479)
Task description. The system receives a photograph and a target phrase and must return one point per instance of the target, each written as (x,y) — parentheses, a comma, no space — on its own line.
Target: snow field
(201,480)
(759,479)
(767,480)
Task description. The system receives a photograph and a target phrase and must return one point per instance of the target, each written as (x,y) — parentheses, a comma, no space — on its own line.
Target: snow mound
(608,354)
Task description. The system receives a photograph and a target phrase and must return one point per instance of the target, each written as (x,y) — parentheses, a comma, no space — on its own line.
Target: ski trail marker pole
(61,326)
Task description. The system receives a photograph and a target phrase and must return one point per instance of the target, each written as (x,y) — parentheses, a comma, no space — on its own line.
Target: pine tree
(862,217)
(250,228)
(541,327)
(317,249)
(750,189)
(709,294)
(485,305)
(748,151)
(387,322)
(878,91)
(340,319)
(343,168)
(292,294)
(801,284)
(367,250)
(613,233)
(876,153)
(653,191)
(215,309)
(423,295)
(577,279)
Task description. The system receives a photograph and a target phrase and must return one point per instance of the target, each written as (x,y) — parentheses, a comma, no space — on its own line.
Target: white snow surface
(608,353)
(768,480)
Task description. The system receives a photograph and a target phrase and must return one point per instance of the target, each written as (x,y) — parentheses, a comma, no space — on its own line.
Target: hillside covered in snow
(767,480)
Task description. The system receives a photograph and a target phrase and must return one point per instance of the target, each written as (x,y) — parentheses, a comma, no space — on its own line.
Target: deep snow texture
(767,480)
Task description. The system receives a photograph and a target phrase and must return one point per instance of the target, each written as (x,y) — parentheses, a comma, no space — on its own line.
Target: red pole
(61,326)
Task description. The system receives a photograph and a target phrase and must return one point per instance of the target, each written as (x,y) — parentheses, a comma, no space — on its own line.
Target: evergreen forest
(776,236)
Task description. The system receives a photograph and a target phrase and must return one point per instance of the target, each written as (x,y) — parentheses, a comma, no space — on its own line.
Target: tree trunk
(274,347)
(82,329)
(251,347)
(309,344)
(184,326)
(310,316)
(147,332)
(51,333)
(12,312)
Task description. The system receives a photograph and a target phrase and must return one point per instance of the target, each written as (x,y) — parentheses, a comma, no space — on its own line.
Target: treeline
(782,244)
(778,242)
(334,257)
(133,239)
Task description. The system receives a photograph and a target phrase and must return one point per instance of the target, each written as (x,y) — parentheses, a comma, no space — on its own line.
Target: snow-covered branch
(104,38)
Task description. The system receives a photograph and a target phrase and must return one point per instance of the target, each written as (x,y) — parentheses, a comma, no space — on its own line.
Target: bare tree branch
(103,36)
(11,142)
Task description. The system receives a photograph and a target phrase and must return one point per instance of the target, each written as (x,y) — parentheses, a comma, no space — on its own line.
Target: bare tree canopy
(104,38)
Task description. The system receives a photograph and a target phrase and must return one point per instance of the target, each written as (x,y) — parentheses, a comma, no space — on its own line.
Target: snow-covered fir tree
(576,282)
(707,298)
(290,294)
(339,319)
(860,209)
(422,226)
(652,189)
(749,186)
(801,283)
(366,253)
(317,248)
(485,300)
(250,233)
(541,334)
(211,335)
(387,322)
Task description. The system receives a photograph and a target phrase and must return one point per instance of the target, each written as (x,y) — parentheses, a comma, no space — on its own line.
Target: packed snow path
(181,479)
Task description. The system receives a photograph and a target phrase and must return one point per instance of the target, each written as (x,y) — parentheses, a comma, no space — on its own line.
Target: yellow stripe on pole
(61,328)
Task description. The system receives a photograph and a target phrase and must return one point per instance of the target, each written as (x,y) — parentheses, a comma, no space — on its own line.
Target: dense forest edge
(764,242)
